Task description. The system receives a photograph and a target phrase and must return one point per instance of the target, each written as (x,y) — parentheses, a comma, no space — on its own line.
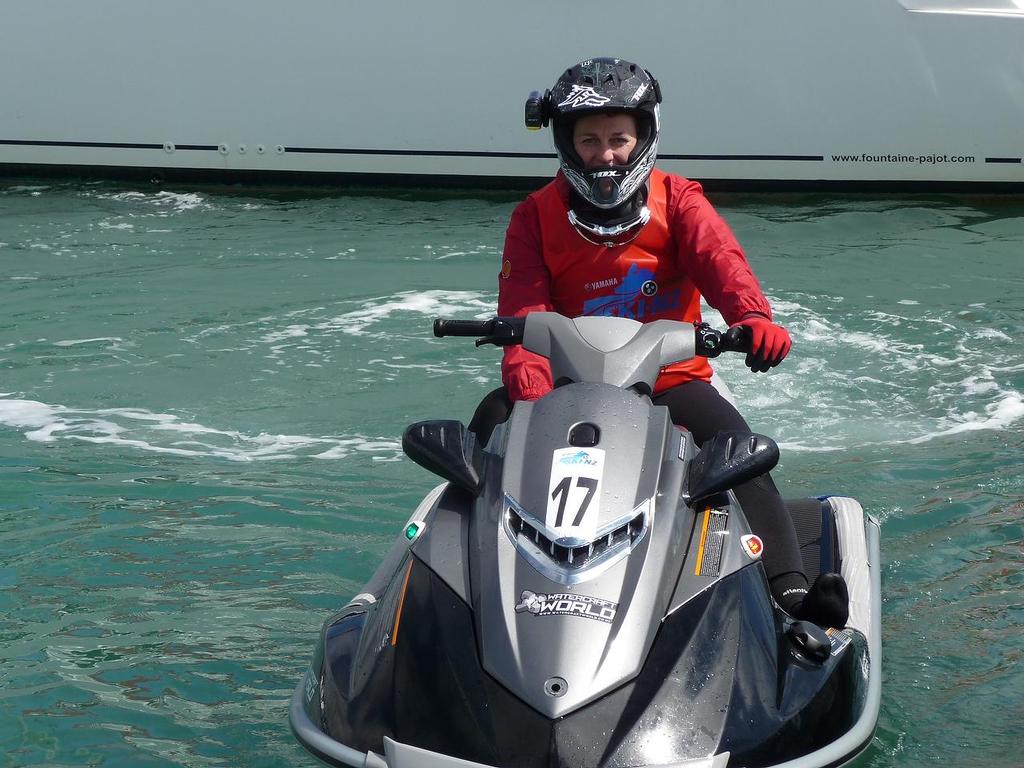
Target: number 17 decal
(561,494)
(574,494)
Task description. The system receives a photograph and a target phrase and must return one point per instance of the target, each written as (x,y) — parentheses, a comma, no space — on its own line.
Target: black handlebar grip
(739,338)
(712,343)
(463,327)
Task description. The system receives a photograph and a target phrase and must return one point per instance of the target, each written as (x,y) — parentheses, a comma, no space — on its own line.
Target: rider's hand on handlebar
(770,343)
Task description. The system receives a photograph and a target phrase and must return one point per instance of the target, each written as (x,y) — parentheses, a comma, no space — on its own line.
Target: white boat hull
(796,93)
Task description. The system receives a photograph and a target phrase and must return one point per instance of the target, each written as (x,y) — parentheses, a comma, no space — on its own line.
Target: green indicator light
(412,530)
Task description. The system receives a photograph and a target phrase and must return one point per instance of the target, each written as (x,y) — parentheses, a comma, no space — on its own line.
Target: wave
(160,203)
(908,378)
(163,433)
(997,416)
(372,312)
(851,384)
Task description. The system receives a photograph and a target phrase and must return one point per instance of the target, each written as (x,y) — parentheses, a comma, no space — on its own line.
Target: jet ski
(584,591)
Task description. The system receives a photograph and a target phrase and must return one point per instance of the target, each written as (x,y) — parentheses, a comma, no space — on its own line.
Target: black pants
(698,407)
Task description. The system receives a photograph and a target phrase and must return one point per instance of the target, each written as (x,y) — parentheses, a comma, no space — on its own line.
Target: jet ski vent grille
(568,564)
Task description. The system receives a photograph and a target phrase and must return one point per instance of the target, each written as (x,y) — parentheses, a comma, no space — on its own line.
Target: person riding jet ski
(613,235)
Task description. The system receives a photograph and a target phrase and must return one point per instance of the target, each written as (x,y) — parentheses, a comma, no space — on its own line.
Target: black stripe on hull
(105,145)
(496,184)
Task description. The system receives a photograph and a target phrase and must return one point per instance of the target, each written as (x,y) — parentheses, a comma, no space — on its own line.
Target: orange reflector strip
(703,540)
(401,602)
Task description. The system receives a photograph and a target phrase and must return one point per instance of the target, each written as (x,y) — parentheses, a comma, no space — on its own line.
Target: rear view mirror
(729,459)
(446,448)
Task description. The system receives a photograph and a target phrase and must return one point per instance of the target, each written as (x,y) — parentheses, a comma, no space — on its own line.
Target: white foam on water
(25,413)
(181,201)
(77,342)
(164,202)
(879,378)
(388,370)
(362,320)
(790,447)
(449,251)
(426,303)
(997,416)
(992,333)
(163,433)
(291,332)
(304,329)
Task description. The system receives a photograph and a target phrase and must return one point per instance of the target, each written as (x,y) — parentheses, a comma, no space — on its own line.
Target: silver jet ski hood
(578,540)
(577,545)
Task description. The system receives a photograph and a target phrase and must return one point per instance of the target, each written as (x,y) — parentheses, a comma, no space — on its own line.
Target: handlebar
(712,343)
(500,331)
(506,331)
(463,327)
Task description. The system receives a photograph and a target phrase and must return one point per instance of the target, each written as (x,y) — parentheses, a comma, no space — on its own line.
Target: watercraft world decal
(563,604)
(636,297)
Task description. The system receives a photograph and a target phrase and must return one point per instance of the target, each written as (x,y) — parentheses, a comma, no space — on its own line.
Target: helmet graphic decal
(639,92)
(584,96)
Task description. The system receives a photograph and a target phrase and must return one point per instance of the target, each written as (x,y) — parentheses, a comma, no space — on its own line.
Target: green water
(202,395)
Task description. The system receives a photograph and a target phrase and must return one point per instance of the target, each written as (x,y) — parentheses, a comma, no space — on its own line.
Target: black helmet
(610,200)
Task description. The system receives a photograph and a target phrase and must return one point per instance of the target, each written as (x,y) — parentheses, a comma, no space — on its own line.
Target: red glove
(771,343)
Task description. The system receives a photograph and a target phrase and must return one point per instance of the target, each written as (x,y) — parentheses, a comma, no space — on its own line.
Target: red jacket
(684,252)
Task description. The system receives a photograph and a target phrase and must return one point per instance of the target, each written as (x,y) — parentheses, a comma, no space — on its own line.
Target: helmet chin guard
(613,235)
(612,227)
